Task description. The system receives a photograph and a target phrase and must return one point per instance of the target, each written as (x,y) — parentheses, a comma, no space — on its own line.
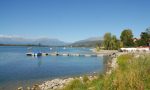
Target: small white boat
(34,54)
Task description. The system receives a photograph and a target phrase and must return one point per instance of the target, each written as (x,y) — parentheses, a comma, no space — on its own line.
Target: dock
(64,54)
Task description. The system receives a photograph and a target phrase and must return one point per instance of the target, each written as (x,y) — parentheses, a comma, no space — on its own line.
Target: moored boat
(34,54)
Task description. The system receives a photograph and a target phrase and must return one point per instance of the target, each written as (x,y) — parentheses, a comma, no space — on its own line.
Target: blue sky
(72,20)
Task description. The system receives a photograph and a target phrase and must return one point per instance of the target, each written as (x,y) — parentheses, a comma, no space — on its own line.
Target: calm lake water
(17,69)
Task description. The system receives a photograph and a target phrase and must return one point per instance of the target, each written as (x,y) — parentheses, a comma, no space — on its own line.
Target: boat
(38,54)
(30,54)
(34,54)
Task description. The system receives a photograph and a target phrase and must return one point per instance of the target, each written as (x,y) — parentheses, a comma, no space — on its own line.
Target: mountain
(23,41)
(90,42)
(14,40)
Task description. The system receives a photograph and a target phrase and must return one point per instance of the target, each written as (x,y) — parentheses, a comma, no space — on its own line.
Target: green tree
(110,42)
(98,47)
(148,31)
(127,38)
(138,42)
(120,43)
(107,41)
(145,37)
(114,43)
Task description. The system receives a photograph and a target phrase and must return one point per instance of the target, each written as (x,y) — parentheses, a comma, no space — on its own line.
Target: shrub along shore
(126,71)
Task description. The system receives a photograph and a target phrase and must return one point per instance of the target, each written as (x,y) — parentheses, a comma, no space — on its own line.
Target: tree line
(126,40)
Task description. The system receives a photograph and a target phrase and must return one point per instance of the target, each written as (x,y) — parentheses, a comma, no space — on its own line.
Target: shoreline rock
(55,84)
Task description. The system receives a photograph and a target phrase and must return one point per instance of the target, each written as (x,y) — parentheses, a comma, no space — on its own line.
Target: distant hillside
(90,42)
(11,40)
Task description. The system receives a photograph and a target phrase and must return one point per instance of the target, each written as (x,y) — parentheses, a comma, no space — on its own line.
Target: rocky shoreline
(55,84)
(112,65)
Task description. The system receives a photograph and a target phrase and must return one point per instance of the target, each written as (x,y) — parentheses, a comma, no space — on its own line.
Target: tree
(98,46)
(145,37)
(138,42)
(107,40)
(111,42)
(148,31)
(120,43)
(127,38)
(114,43)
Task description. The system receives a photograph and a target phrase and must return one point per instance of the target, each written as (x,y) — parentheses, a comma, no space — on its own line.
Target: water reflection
(38,59)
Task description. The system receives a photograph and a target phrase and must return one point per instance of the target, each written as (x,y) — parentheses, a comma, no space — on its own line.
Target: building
(137,49)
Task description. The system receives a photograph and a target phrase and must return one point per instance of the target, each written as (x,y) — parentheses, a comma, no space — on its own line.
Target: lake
(17,69)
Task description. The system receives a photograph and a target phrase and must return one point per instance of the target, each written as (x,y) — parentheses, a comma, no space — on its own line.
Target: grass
(133,73)
(76,84)
(85,79)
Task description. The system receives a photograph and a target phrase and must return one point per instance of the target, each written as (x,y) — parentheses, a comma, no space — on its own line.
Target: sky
(72,20)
